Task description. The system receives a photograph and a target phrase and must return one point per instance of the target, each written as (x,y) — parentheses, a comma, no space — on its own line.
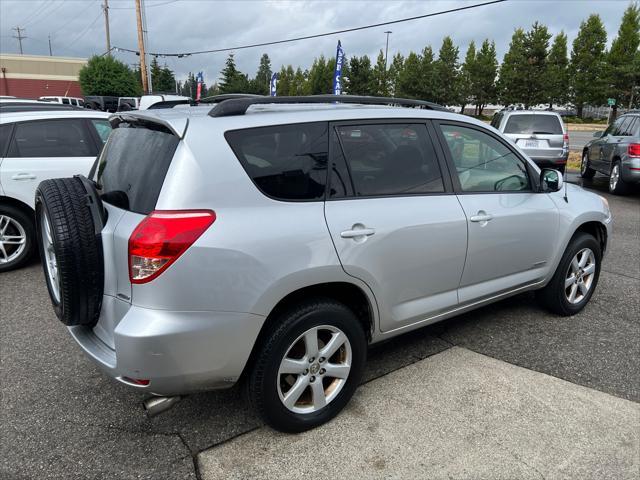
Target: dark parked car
(616,153)
(102,102)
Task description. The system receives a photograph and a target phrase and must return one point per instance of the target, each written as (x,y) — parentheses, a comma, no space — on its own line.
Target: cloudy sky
(77,27)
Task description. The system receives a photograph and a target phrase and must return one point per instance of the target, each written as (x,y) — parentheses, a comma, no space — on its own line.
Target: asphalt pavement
(61,418)
(577,140)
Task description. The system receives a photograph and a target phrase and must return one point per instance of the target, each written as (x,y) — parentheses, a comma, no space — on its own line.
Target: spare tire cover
(70,249)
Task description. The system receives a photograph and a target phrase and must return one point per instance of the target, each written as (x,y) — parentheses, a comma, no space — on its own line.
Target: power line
(308,37)
(19,36)
(80,13)
(147,6)
(85,31)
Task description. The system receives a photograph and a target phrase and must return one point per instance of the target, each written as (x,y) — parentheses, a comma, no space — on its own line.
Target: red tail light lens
(634,149)
(161,238)
(565,138)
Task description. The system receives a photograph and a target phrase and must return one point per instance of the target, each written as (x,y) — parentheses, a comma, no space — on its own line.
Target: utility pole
(105,8)
(145,32)
(143,63)
(19,36)
(386,50)
(50,52)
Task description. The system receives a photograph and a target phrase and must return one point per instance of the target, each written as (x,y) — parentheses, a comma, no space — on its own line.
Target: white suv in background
(75,101)
(36,146)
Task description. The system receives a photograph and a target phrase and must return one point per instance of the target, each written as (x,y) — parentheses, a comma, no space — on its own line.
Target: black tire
(77,249)
(264,378)
(562,168)
(553,295)
(24,221)
(620,187)
(585,170)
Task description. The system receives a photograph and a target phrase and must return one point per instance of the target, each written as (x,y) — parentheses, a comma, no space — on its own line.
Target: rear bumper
(177,352)
(550,162)
(631,170)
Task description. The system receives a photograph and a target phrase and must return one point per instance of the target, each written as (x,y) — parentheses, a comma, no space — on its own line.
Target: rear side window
(52,138)
(392,159)
(533,124)
(5,134)
(286,162)
(625,129)
(133,165)
(65,101)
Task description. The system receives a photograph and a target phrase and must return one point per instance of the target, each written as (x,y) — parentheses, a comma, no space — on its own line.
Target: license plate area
(531,144)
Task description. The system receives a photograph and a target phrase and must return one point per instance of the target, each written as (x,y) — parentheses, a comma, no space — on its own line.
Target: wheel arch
(353,296)
(595,229)
(4,200)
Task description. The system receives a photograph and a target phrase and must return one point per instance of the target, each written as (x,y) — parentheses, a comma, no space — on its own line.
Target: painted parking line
(457,414)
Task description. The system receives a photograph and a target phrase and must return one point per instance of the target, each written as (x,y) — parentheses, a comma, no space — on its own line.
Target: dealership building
(33,76)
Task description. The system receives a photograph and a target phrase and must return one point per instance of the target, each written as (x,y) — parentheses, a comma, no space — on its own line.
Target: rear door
(394,220)
(43,149)
(512,228)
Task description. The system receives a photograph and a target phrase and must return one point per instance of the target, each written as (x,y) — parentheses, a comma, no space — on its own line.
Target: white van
(75,101)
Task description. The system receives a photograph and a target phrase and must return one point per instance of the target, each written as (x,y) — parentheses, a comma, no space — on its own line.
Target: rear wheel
(617,186)
(17,237)
(576,277)
(309,367)
(585,170)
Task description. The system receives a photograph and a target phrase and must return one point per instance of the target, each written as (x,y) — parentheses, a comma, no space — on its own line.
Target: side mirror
(598,134)
(550,180)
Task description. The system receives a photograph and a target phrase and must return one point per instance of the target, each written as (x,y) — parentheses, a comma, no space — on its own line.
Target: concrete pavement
(457,414)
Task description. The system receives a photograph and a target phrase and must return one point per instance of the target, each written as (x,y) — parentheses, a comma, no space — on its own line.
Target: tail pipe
(157,405)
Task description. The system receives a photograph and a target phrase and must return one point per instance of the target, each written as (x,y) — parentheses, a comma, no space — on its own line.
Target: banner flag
(337,76)
(200,80)
(273,84)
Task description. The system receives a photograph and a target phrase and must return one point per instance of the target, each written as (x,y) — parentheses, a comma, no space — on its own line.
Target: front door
(512,228)
(394,220)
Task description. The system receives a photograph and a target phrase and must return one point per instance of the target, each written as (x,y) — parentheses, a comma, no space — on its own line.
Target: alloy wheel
(614,178)
(580,275)
(13,239)
(314,369)
(584,165)
(50,259)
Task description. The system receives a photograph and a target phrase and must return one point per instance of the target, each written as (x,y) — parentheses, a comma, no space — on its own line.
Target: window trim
(444,171)
(323,198)
(533,176)
(82,120)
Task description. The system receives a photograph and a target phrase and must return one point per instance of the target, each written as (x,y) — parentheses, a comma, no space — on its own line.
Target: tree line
(536,70)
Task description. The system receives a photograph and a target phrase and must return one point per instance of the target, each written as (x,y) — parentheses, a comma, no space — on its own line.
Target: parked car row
(273,240)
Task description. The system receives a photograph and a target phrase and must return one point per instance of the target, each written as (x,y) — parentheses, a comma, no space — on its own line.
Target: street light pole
(386,50)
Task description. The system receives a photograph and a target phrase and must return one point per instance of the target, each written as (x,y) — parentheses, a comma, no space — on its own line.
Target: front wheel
(308,368)
(585,170)
(576,277)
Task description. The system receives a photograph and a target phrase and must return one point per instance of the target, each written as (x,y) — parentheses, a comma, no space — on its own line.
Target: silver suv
(540,134)
(271,240)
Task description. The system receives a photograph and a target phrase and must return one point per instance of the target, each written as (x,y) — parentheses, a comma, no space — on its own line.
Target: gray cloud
(77,27)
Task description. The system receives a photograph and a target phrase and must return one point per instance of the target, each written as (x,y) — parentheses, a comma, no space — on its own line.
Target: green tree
(468,72)
(511,84)
(380,78)
(233,80)
(534,71)
(558,72)
(108,76)
(410,79)
(162,79)
(361,80)
(447,74)
(484,89)
(260,84)
(320,77)
(427,74)
(397,65)
(623,71)
(588,64)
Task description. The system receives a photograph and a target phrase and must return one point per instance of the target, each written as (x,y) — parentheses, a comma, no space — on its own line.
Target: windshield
(534,124)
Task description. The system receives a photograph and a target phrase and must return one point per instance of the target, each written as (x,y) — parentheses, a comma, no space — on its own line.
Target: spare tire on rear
(70,249)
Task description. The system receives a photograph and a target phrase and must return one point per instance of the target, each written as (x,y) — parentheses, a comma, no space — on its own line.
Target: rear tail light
(634,149)
(161,238)
(565,139)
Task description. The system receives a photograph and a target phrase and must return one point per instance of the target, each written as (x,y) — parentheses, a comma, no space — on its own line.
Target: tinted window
(531,123)
(395,159)
(483,163)
(103,127)
(340,185)
(5,133)
(52,138)
(287,162)
(624,130)
(495,123)
(133,165)
(65,101)
(614,127)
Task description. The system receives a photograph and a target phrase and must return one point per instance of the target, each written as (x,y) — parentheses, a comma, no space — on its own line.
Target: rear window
(286,162)
(534,124)
(133,165)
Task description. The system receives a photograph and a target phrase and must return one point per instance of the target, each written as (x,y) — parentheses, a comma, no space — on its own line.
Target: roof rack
(170,104)
(228,96)
(239,106)
(11,107)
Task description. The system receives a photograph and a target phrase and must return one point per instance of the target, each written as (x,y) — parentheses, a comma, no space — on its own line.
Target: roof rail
(228,96)
(239,106)
(170,104)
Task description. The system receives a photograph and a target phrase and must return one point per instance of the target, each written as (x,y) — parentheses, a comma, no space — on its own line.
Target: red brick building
(33,76)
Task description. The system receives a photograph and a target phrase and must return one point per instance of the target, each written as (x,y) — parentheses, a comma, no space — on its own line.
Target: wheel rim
(580,275)
(583,166)
(50,260)
(615,176)
(13,239)
(314,370)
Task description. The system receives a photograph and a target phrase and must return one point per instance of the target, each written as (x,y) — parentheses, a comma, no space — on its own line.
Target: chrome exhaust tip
(157,405)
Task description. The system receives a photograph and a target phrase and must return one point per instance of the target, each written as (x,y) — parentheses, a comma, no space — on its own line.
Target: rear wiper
(544,133)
